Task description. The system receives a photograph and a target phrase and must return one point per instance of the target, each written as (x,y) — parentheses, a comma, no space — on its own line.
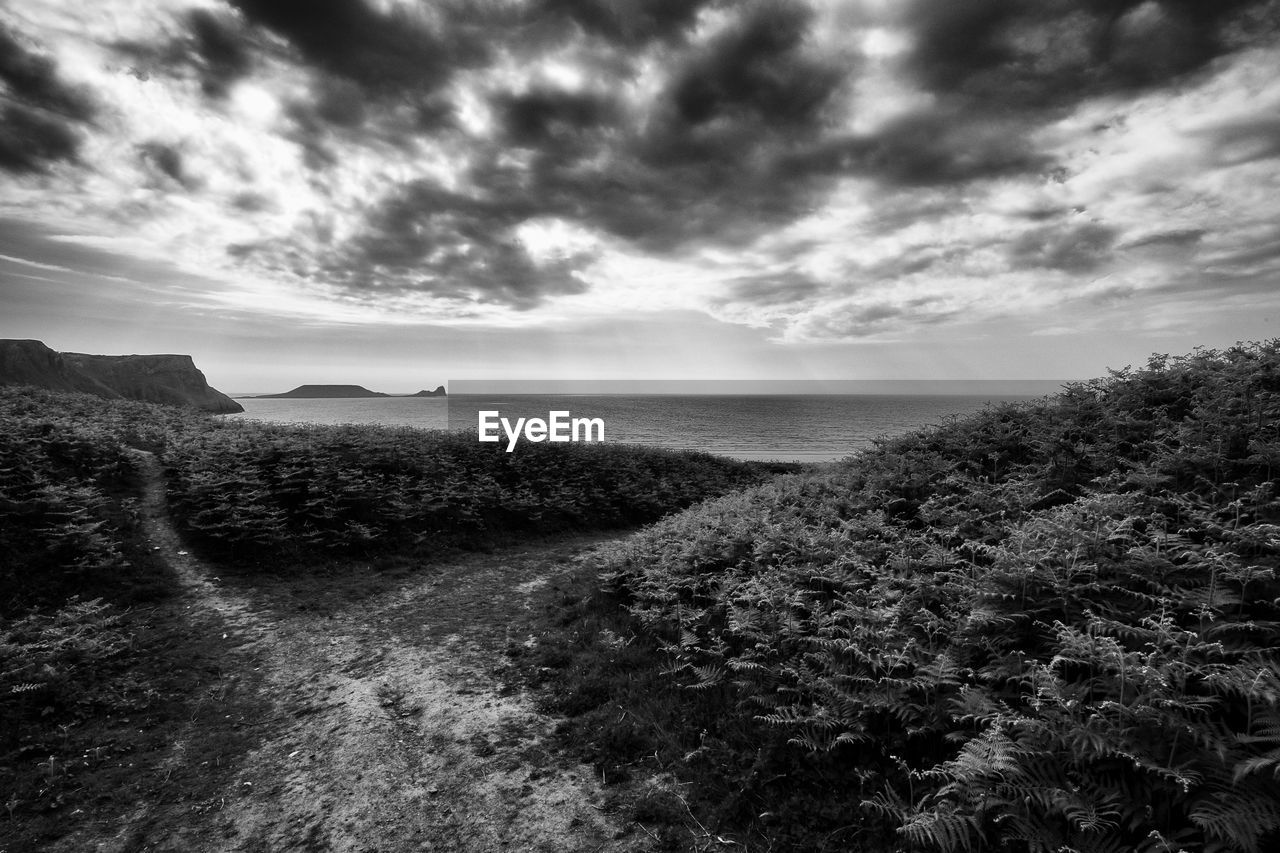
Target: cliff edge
(169,379)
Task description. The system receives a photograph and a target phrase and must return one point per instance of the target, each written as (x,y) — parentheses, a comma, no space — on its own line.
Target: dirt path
(391,731)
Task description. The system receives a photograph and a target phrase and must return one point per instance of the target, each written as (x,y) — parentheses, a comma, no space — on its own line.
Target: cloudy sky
(396,192)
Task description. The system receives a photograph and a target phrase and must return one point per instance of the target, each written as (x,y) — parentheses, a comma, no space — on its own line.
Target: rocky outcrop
(439,392)
(171,379)
(28,362)
(313,391)
(168,379)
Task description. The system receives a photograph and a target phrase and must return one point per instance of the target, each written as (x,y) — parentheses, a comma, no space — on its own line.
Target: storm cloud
(41,115)
(624,22)
(869,166)
(404,50)
(1011,55)
(222,49)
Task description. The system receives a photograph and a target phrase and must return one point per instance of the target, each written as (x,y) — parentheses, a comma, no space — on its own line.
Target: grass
(94,743)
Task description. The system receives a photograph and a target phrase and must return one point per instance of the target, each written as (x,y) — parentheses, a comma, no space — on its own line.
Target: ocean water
(420,412)
(793,428)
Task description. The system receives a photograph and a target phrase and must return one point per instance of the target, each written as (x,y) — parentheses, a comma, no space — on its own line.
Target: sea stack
(439,392)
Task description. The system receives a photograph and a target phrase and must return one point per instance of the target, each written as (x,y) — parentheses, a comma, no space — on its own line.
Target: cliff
(324,391)
(439,392)
(169,379)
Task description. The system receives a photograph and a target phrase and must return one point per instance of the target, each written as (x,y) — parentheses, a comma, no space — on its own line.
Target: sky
(395,193)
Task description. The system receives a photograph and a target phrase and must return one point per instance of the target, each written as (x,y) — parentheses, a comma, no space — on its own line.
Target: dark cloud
(757,71)
(1071,248)
(30,139)
(33,80)
(549,118)
(167,161)
(373,76)
(429,240)
(678,204)
(341,108)
(361,60)
(386,54)
(314,134)
(712,161)
(376,76)
(217,46)
(1045,213)
(716,157)
(222,47)
(40,114)
(936,149)
(940,148)
(338,113)
(1009,54)
(626,22)
(340,101)
(754,95)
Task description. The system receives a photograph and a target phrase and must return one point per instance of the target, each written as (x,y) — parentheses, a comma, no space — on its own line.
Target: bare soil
(382,720)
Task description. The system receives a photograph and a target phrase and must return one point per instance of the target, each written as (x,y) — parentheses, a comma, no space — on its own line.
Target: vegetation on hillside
(279,495)
(1045,627)
(254,492)
(67,525)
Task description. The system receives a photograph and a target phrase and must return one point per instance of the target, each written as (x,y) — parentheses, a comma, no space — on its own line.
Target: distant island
(325,391)
(342,392)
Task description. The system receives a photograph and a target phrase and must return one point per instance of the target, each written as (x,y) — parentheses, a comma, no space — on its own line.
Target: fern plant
(1042,628)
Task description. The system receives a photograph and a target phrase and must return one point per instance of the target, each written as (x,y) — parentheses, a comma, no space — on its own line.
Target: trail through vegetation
(225,635)
(389,726)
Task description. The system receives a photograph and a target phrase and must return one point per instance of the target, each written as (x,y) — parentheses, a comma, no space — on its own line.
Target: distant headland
(169,379)
(342,392)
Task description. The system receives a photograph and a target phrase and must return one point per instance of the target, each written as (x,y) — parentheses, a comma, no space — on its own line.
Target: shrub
(68,524)
(53,659)
(256,492)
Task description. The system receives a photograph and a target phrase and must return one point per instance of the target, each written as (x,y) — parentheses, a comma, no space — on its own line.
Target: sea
(781,427)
